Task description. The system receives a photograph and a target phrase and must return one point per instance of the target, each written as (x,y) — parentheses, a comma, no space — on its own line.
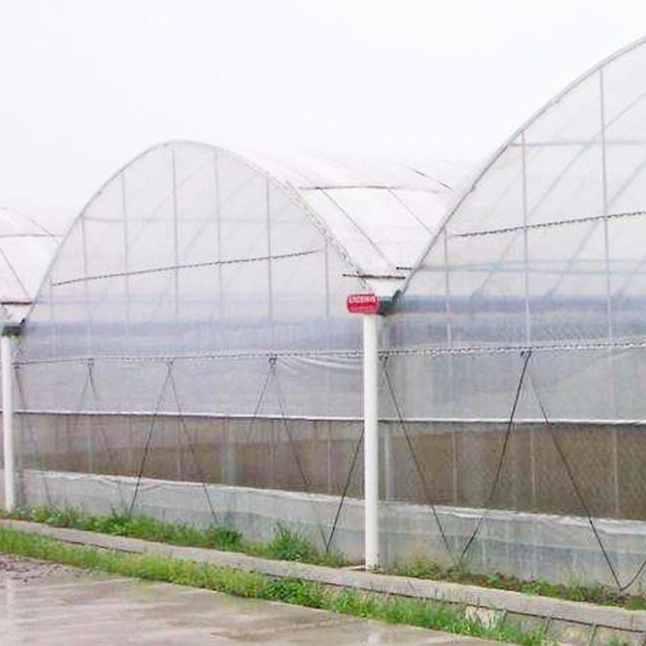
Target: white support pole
(371,439)
(7,423)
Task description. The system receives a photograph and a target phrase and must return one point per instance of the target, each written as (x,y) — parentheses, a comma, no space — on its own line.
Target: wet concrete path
(43,603)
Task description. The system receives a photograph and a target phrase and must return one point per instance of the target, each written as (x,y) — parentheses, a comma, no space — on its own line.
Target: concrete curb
(573,622)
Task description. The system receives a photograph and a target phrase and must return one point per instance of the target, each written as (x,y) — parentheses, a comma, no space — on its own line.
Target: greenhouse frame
(189,353)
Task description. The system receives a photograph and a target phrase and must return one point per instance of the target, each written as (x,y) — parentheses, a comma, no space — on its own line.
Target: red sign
(362,304)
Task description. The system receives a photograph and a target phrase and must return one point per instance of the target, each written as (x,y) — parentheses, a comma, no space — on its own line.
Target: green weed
(575,591)
(287,544)
(417,612)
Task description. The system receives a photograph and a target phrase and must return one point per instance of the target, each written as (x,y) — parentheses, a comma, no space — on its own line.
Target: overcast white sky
(85,85)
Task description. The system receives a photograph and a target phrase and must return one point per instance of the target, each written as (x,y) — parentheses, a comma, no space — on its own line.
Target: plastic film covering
(529,546)
(383,212)
(543,250)
(199,262)
(27,245)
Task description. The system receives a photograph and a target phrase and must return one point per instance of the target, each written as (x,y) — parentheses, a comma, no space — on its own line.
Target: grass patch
(290,545)
(599,594)
(415,612)
(285,544)
(143,527)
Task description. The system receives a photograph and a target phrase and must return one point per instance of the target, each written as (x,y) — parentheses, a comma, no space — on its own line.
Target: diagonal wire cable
(259,401)
(108,448)
(40,464)
(198,466)
(494,487)
(417,463)
(142,466)
(638,573)
(292,443)
(346,487)
(577,490)
(76,416)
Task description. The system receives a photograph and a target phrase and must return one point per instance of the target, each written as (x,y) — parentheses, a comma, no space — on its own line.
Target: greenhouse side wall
(452,464)
(259,470)
(264,487)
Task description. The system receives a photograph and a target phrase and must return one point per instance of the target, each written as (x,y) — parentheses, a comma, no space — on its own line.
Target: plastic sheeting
(529,546)
(382,212)
(545,245)
(27,246)
(290,386)
(543,250)
(217,263)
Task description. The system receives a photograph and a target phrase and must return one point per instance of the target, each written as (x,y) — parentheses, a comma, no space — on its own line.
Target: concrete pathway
(46,604)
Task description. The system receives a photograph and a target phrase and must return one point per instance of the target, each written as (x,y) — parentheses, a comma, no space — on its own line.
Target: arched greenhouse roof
(27,245)
(192,248)
(545,245)
(381,212)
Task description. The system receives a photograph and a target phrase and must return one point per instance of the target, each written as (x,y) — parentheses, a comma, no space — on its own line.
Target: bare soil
(28,570)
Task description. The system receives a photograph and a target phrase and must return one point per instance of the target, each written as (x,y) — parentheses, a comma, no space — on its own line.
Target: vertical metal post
(52,319)
(328,459)
(228,453)
(327,277)
(604,182)
(86,288)
(371,439)
(87,425)
(614,439)
(447,289)
(528,320)
(175,234)
(328,344)
(7,423)
(218,231)
(448,319)
(389,488)
(454,467)
(126,248)
(532,466)
(270,285)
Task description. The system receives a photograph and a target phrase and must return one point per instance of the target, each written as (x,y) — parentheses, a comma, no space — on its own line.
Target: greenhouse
(193,324)
(190,355)
(27,245)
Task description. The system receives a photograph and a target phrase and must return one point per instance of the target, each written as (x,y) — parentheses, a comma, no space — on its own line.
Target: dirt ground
(30,570)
